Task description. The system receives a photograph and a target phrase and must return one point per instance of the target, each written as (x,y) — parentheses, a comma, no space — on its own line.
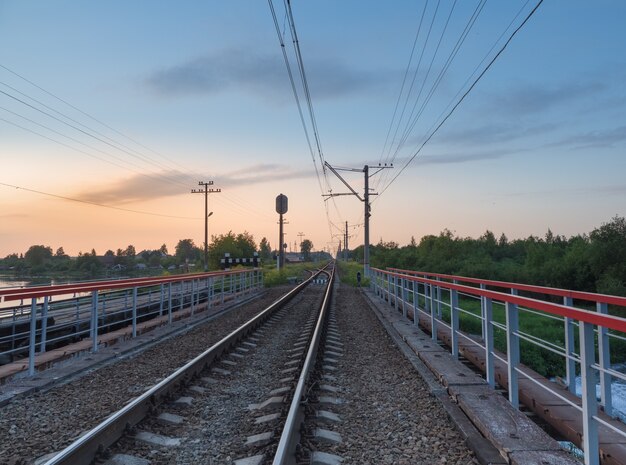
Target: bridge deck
(470,390)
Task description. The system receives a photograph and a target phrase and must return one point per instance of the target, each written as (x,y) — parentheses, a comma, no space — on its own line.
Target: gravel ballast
(35,425)
(387,413)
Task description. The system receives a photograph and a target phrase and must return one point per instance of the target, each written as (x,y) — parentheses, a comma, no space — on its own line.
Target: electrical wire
(493,60)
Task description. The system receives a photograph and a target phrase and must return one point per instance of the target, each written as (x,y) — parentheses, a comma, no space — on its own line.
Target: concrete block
(249,344)
(124,459)
(289,370)
(198,389)
(259,439)
(326,416)
(330,360)
(329,368)
(326,435)
(328,388)
(286,379)
(229,363)
(280,390)
(329,378)
(207,380)
(157,440)
(292,362)
(333,353)
(236,355)
(220,371)
(266,418)
(323,458)
(183,401)
(330,400)
(254,460)
(170,419)
(272,402)
(242,350)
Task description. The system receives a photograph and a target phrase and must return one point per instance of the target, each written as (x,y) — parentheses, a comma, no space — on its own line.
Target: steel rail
(285,452)
(83,450)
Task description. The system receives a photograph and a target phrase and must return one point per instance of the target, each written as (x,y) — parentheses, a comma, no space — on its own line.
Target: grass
(538,324)
(348,271)
(273,277)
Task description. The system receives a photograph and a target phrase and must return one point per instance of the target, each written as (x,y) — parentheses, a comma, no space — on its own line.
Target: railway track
(238,400)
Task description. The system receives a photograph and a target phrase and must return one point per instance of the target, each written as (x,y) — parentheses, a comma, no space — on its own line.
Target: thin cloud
(14,216)
(171,183)
(616,189)
(596,139)
(257,74)
(532,99)
(494,133)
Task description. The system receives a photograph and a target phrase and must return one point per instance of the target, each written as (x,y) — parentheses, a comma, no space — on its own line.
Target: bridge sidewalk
(517,438)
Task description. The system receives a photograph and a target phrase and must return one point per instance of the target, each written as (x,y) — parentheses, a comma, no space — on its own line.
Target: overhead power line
(442,122)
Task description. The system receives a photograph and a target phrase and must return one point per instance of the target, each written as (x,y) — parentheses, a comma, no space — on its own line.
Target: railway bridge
(415,367)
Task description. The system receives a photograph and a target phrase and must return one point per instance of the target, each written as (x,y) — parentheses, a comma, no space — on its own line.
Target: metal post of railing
(77,313)
(33,336)
(483,326)
(161,300)
(489,358)
(209,293)
(570,363)
(230,284)
(94,321)
(454,322)
(438,298)
(169,303)
(149,295)
(427,297)
(433,319)
(416,288)
(512,351)
(405,297)
(182,295)
(104,304)
(388,286)
(222,288)
(193,284)
(394,283)
(44,324)
(590,403)
(604,355)
(134,312)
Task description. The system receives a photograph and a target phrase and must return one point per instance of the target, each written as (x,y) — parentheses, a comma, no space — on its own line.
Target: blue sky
(538,144)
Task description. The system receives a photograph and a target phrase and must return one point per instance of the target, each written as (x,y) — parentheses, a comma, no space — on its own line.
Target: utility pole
(300,235)
(366,201)
(345,245)
(206,191)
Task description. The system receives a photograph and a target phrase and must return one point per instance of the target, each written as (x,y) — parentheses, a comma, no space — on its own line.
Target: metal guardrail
(87,310)
(404,286)
(84,449)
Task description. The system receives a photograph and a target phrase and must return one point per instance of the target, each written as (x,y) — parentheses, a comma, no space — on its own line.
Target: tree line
(593,262)
(41,259)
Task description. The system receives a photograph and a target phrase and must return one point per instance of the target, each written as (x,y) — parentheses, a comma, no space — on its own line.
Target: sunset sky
(130,104)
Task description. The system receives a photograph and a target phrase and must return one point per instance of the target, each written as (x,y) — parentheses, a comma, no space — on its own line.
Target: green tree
(265,250)
(37,255)
(305,248)
(186,250)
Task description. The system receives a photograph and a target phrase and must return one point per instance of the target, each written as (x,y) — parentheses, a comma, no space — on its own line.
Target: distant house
(141,266)
(293,257)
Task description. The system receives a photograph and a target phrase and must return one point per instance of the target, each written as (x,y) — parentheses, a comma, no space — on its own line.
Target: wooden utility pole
(206,191)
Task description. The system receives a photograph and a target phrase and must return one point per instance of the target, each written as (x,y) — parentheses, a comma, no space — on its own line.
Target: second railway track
(230,403)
